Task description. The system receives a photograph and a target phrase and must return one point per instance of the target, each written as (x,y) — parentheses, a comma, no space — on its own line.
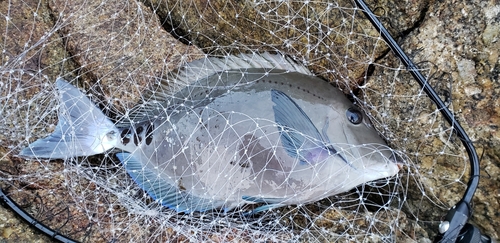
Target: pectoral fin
(299,136)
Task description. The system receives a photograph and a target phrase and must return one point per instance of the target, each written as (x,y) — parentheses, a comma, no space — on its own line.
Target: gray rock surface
(459,47)
(297,28)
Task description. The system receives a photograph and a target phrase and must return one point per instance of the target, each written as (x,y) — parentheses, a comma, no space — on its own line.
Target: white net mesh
(117,51)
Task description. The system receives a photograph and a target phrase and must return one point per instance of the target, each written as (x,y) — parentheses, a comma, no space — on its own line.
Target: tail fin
(82,129)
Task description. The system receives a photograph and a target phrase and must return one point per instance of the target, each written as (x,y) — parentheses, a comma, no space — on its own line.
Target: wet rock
(121,47)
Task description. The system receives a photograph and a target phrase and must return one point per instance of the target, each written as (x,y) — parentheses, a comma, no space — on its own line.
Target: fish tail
(82,129)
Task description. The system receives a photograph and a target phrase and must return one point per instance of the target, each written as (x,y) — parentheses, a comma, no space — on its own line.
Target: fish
(226,132)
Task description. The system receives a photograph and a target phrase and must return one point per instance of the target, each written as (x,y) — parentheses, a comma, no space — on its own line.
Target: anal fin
(162,190)
(270,203)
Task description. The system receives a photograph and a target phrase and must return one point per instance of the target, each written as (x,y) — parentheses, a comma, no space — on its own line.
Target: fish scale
(262,131)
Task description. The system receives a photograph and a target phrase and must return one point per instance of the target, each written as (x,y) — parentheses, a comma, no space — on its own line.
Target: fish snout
(397,160)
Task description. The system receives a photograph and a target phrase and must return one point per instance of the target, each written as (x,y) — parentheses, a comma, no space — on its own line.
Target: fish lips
(380,159)
(397,159)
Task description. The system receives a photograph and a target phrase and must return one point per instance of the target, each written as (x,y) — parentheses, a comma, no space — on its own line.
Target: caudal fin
(82,129)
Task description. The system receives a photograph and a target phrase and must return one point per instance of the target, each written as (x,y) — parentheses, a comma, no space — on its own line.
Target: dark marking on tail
(139,130)
(137,136)
(125,135)
(149,134)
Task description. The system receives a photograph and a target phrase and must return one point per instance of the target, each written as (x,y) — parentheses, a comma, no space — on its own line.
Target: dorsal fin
(208,66)
(196,74)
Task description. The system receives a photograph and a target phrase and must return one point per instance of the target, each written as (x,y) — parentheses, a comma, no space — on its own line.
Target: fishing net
(117,51)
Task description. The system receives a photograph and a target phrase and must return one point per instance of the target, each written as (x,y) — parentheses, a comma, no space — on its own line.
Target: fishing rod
(454,228)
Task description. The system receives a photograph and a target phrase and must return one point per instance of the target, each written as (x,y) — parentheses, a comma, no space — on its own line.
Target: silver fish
(247,129)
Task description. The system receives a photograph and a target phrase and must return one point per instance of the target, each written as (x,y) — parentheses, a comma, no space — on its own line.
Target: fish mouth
(397,160)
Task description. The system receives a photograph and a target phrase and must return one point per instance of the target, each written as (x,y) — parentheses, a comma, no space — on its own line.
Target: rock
(31,55)
(458,48)
(323,33)
(124,50)
(13,229)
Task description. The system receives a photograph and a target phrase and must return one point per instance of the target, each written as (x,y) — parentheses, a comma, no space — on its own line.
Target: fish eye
(354,115)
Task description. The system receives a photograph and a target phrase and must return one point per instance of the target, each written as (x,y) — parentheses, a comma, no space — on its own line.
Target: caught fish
(245,130)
